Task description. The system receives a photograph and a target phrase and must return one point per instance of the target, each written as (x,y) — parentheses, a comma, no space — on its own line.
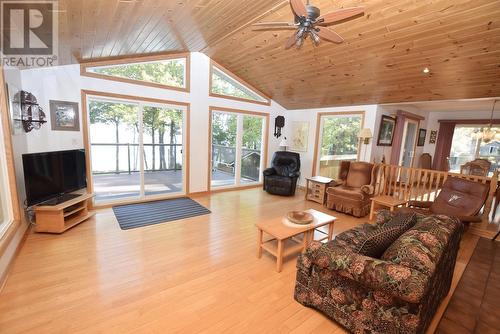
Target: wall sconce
(32,115)
(279,123)
(366,135)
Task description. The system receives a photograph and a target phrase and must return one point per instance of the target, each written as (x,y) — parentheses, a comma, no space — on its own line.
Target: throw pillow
(406,220)
(377,241)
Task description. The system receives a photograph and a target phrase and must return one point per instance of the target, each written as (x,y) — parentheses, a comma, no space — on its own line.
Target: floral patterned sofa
(396,293)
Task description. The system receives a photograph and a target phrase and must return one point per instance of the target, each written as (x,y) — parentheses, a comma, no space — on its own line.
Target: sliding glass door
(136,149)
(237,148)
(338,140)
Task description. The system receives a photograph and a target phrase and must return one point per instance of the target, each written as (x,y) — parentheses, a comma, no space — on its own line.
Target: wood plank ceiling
(380,62)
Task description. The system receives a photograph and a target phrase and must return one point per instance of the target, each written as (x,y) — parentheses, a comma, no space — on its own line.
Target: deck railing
(132,161)
(425,184)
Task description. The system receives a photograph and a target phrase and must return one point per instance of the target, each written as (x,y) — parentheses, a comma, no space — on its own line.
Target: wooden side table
(316,188)
(282,234)
(385,201)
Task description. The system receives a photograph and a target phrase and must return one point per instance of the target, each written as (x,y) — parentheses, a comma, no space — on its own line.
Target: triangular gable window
(154,71)
(223,84)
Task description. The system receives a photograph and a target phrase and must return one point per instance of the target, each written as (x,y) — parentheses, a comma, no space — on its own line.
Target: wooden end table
(316,188)
(385,201)
(281,233)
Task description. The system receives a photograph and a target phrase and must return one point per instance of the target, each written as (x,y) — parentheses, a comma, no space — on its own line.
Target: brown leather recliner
(458,198)
(351,193)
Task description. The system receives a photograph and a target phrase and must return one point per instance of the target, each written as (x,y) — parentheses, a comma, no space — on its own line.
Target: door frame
(265,147)
(86,141)
(318,138)
(403,141)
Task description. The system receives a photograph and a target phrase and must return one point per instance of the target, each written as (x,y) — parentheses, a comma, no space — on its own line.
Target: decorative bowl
(300,217)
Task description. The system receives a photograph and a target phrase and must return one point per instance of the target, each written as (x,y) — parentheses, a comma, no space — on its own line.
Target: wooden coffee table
(281,233)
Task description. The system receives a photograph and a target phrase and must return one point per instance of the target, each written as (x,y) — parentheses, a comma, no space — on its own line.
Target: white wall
(310,115)
(65,83)
(390,110)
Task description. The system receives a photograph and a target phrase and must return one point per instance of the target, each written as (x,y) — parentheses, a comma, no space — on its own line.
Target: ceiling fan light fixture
(315,38)
(426,70)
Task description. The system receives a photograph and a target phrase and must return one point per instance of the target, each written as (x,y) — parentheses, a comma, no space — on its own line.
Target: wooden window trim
(211,110)
(15,223)
(138,59)
(318,125)
(86,138)
(238,79)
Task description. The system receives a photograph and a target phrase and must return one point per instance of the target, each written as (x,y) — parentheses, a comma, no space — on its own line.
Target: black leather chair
(281,178)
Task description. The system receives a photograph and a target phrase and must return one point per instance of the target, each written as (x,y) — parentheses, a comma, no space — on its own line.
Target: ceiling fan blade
(298,8)
(328,35)
(270,28)
(273,26)
(340,15)
(281,24)
(290,41)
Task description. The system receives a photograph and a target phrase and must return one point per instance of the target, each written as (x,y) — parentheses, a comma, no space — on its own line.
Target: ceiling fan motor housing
(313,12)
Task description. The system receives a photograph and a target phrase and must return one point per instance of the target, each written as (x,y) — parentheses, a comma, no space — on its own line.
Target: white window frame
(5,197)
(140,105)
(240,114)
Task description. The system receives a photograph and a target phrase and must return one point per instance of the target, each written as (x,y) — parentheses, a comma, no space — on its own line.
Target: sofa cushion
(378,240)
(352,238)
(421,246)
(383,216)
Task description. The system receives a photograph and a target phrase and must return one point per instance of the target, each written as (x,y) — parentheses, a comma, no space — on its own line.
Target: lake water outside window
(136,149)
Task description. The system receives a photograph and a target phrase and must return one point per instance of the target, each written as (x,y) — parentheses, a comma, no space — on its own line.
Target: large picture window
(137,148)
(238,146)
(226,85)
(467,146)
(336,140)
(170,72)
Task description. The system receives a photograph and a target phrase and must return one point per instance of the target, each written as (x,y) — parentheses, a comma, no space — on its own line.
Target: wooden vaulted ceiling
(381,60)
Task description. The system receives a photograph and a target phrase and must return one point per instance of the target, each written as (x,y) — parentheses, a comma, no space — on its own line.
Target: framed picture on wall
(300,134)
(386,131)
(433,136)
(64,116)
(421,137)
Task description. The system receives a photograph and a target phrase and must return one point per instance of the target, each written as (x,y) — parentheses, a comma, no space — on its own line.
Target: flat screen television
(52,175)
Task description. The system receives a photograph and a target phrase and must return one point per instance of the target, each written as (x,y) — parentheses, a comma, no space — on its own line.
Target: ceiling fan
(309,23)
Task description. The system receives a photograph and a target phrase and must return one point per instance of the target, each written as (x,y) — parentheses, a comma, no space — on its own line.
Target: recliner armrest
(294,174)
(336,183)
(375,274)
(269,171)
(368,189)
(469,219)
(420,204)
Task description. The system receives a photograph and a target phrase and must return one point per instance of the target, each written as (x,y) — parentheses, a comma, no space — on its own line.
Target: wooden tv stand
(60,217)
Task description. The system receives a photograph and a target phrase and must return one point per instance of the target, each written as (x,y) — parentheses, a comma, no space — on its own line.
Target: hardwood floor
(198,275)
(474,307)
